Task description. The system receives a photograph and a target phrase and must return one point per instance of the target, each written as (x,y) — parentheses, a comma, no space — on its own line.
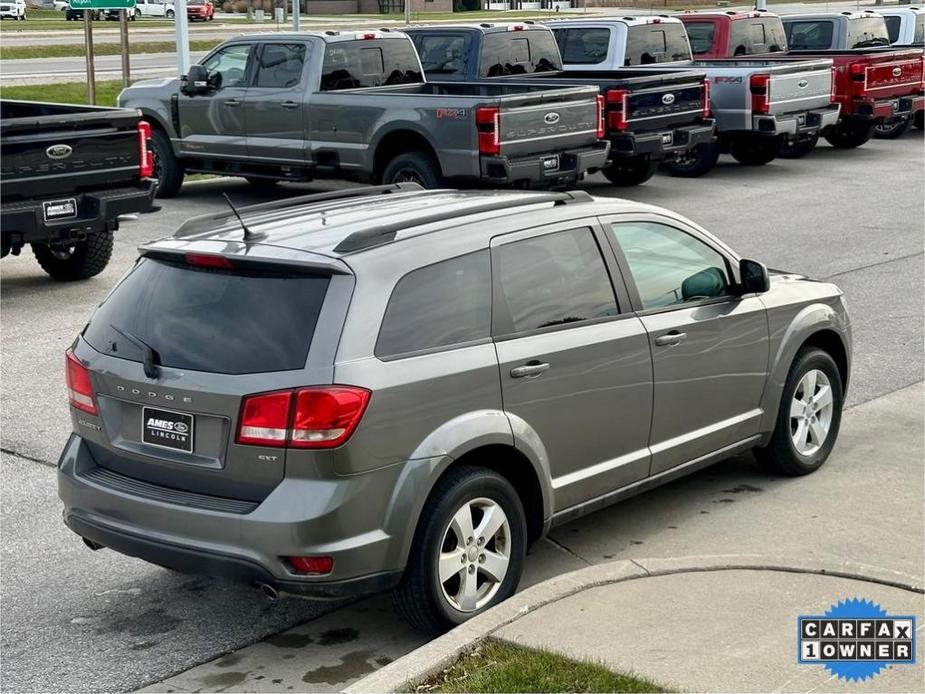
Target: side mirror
(196,81)
(754,277)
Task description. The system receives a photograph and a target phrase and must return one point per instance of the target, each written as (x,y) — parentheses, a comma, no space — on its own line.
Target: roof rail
(381,235)
(207,221)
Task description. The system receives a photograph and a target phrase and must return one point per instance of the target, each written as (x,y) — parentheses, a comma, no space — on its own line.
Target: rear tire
(413,167)
(754,151)
(892,130)
(849,135)
(429,603)
(167,168)
(80,261)
(630,171)
(782,455)
(798,149)
(694,163)
(169,14)
(918,120)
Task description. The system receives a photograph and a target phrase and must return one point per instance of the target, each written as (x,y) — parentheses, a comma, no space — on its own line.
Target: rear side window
(443,54)
(756,36)
(810,35)
(866,32)
(441,305)
(210,320)
(701,36)
(369,63)
(553,280)
(647,44)
(918,35)
(519,53)
(583,46)
(280,65)
(892,27)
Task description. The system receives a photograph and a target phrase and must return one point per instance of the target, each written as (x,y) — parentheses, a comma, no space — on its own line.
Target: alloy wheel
(811,412)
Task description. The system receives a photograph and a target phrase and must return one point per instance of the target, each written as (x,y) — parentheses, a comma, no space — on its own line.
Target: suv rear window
(210,320)
(519,53)
(647,44)
(369,63)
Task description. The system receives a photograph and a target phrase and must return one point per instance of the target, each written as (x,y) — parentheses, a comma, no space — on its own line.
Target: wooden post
(88,40)
(123,31)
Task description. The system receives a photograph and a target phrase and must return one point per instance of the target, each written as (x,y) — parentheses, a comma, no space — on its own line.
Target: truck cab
(733,33)
(905,25)
(835,31)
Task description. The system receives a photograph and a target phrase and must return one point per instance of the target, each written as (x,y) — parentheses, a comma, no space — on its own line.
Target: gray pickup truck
(356,105)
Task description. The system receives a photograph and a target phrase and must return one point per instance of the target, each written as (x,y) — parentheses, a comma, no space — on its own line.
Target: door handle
(531,369)
(232,102)
(289,105)
(672,338)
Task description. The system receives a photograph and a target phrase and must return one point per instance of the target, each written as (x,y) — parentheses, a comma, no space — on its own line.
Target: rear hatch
(217,334)
(53,149)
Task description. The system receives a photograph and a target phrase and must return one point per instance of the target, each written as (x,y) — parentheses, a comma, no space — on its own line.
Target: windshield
(210,320)
(647,44)
(867,31)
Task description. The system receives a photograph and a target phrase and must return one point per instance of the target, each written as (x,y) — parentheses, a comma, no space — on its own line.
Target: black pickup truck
(651,116)
(67,173)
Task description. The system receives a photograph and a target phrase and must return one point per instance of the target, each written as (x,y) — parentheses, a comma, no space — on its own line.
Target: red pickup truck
(874,86)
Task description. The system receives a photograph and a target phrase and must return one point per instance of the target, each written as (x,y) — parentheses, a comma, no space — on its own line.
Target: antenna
(248,234)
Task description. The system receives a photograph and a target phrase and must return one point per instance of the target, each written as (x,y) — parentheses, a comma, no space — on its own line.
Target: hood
(152,88)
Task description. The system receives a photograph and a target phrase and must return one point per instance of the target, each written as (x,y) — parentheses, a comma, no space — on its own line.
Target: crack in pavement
(567,550)
(872,265)
(10,451)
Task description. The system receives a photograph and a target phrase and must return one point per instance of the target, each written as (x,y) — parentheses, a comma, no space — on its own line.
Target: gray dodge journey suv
(396,388)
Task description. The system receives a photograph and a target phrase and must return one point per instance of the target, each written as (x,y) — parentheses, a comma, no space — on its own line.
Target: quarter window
(669,266)
(445,304)
(552,280)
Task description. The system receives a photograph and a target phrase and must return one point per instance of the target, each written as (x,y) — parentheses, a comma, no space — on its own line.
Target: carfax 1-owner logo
(856,639)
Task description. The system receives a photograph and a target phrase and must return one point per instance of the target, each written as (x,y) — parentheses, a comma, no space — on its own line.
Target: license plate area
(167,429)
(551,164)
(54,210)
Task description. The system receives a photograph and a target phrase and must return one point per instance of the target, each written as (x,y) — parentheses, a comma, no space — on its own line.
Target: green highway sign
(101,4)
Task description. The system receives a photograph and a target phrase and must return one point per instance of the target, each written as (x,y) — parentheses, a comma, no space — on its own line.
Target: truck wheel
(468,550)
(849,135)
(918,120)
(893,129)
(695,162)
(798,149)
(169,14)
(808,418)
(168,170)
(754,151)
(630,171)
(78,261)
(413,167)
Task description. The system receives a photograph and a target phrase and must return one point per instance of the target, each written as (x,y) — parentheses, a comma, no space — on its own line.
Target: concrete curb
(442,651)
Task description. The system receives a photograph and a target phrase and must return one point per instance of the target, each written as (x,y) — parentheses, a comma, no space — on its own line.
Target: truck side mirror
(196,81)
(754,277)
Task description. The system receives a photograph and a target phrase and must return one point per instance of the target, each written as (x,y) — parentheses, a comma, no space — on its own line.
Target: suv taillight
(316,417)
(760,86)
(600,117)
(145,155)
(79,388)
(488,124)
(618,106)
(706,98)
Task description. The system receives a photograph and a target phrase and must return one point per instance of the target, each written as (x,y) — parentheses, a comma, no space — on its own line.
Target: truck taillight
(600,117)
(145,155)
(488,124)
(79,388)
(760,87)
(832,90)
(316,417)
(706,98)
(858,74)
(617,110)
(922,74)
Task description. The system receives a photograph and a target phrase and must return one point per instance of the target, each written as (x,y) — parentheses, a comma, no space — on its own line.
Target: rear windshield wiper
(869,43)
(151,357)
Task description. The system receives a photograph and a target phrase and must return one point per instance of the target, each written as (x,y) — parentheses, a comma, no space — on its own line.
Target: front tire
(167,168)
(893,129)
(798,149)
(80,261)
(468,551)
(695,162)
(413,167)
(630,171)
(169,14)
(809,416)
(754,151)
(849,135)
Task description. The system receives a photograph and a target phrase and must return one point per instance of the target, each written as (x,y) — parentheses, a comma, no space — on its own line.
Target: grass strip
(74,50)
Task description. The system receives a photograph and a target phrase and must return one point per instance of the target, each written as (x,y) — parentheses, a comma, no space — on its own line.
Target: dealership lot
(73,617)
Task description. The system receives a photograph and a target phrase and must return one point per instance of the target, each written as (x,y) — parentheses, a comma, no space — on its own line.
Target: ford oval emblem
(551,118)
(897,71)
(803,84)
(668,99)
(59,151)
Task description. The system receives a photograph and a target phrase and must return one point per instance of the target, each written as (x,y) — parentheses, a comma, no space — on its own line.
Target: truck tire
(630,171)
(433,595)
(754,151)
(783,454)
(80,261)
(413,167)
(849,135)
(893,129)
(798,149)
(169,14)
(918,120)
(167,168)
(694,163)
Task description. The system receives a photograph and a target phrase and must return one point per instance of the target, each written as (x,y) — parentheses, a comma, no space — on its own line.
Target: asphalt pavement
(77,620)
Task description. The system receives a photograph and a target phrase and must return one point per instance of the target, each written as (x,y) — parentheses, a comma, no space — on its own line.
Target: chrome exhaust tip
(269,592)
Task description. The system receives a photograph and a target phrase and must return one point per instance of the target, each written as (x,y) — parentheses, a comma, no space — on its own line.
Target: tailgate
(559,120)
(899,77)
(661,108)
(798,91)
(44,156)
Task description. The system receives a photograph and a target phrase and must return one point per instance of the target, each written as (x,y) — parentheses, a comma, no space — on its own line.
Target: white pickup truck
(760,103)
(905,25)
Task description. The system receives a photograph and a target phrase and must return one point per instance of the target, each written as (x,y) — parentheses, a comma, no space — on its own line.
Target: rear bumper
(534,171)
(663,143)
(887,109)
(797,123)
(298,518)
(96,211)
